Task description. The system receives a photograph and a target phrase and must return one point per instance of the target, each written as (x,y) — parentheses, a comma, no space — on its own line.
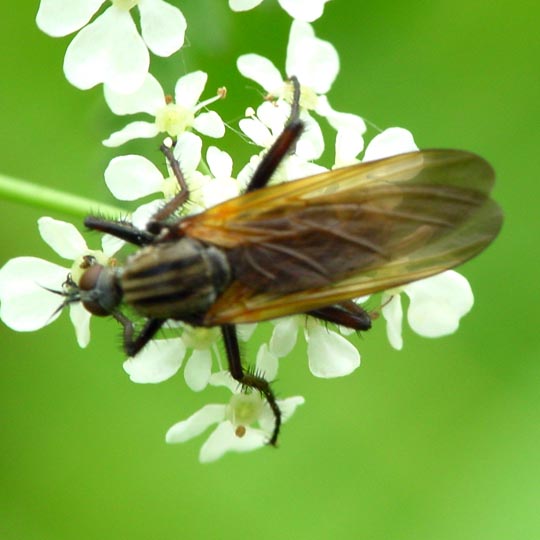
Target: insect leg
(123,230)
(346,314)
(133,344)
(178,200)
(282,145)
(249,380)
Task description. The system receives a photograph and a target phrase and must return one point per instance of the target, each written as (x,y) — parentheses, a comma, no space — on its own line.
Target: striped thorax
(177,280)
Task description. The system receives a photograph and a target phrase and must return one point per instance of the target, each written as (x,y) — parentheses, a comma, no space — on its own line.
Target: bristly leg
(346,314)
(282,146)
(249,380)
(120,229)
(275,155)
(128,232)
(134,344)
(179,199)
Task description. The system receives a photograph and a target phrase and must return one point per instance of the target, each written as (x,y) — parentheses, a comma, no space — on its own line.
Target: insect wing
(321,240)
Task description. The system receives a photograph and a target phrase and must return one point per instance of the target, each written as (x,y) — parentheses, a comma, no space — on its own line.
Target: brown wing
(321,240)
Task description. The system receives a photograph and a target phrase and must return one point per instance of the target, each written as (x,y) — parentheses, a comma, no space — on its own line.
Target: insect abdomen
(178,280)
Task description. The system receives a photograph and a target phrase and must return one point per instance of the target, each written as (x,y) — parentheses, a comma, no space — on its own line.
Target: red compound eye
(100,293)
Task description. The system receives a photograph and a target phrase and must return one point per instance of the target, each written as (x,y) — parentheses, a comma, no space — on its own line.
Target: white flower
(170,116)
(26,282)
(436,306)
(297,9)
(329,353)
(390,142)
(346,149)
(110,50)
(235,431)
(315,63)
(221,186)
(158,361)
(162,358)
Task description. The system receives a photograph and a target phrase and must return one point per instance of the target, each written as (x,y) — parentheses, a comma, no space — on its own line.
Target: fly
(306,246)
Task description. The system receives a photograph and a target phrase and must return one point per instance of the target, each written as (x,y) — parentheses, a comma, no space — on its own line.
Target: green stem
(39,196)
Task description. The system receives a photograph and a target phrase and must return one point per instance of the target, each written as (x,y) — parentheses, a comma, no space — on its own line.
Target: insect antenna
(71,295)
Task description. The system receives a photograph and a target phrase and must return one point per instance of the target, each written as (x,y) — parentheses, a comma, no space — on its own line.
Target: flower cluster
(108,49)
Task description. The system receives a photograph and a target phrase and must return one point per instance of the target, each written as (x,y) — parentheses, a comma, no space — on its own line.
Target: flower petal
(195,424)
(163,26)
(438,303)
(302,10)
(188,89)
(311,144)
(284,336)
(267,363)
(198,370)
(390,142)
(111,244)
(148,98)
(25,303)
(288,406)
(108,51)
(348,145)
(132,177)
(59,18)
(209,123)
(330,355)
(224,439)
(295,167)
(219,162)
(314,61)
(243,5)
(158,361)
(219,190)
(256,131)
(134,130)
(392,311)
(262,71)
(188,152)
(145,212)
(63,237)
(224,378)
(246,173)
(80,318)
(245,331)
(350,128)
(339,120)
(274,115)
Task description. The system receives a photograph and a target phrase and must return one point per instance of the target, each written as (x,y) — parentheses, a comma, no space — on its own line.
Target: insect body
(175,280)
(308,246)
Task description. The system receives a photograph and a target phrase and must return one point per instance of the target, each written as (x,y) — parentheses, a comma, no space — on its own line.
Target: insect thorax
(176,280)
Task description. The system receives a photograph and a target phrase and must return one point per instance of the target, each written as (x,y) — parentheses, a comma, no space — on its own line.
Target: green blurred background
(438,441)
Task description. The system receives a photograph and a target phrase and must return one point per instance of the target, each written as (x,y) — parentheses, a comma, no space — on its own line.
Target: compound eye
(90,277)
(92,295)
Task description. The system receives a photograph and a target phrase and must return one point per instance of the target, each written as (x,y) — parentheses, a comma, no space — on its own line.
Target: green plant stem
(31,194)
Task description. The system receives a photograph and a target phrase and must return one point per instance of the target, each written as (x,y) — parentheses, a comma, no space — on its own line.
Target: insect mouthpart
(99,290)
